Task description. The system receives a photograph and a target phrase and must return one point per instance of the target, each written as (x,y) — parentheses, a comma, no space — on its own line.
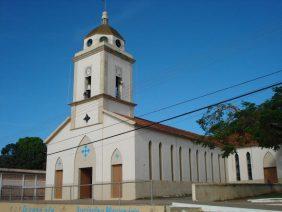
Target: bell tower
(102,77)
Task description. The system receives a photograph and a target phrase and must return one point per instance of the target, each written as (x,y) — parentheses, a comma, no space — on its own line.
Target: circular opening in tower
(118,43)
(89,42)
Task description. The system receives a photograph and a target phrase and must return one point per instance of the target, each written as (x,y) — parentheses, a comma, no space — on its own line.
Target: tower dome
(104,28)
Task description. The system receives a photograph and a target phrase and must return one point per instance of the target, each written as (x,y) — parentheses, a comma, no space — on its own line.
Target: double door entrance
(85,183)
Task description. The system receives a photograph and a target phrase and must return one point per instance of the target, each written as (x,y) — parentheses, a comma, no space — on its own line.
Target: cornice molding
(103,95)
(107,48)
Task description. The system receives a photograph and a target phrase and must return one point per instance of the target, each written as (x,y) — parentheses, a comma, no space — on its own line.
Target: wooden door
(270,175)
(117,180)
(86,183)
(58,184)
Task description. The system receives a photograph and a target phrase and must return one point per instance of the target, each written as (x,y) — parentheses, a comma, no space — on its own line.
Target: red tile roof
(163,128)
(187,134)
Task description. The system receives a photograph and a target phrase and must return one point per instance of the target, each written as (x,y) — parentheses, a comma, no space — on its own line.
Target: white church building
(98,153)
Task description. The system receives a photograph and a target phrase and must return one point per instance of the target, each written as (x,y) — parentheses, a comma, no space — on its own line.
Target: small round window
(104,39)
(118,43)
(89,42)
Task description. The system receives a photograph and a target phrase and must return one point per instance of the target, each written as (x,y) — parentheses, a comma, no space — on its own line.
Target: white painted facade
(175,160)
(258,158)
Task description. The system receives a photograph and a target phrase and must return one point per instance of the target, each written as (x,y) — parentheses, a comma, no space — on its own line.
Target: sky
(183,49)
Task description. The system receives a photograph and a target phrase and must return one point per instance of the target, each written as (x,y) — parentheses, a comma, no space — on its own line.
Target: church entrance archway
(269,168)
(84,172)
(116,174)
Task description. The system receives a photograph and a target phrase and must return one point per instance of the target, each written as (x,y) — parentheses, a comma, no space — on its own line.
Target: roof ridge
(167,125)
(163,128)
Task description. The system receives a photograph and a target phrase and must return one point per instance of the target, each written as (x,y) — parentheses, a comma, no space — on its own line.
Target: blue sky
(183,49)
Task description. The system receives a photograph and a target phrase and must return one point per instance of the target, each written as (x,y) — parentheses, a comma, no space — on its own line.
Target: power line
(208,94)
(180,103)
(175,117)
(214,92)
(236,47)
(170,71)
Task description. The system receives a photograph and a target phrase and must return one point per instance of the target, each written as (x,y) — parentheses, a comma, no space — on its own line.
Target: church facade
(102,151)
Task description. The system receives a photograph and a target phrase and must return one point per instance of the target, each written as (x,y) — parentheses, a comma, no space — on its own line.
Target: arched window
(197,164)
(150,160)
(104,39)
(249,165)
(206,173)
(219,171)
(59,164)
(180,163)
(160,161)
(212,167)
(237,165)
(171,163)
(224,166)
(190,166)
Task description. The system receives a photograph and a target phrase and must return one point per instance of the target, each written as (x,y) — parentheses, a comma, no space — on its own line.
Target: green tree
(27,153)
(231,126)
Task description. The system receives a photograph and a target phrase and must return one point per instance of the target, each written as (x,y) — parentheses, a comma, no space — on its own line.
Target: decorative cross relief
(85,151)
(59,163)
(86,118)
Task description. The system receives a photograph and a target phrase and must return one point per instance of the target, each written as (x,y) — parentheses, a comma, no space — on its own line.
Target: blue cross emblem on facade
(85,151)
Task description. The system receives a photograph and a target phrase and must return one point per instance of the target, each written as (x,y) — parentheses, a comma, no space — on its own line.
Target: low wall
(220,192)
(130,190)
(163,189)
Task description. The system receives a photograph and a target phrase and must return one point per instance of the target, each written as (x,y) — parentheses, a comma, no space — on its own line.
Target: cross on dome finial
(105,18)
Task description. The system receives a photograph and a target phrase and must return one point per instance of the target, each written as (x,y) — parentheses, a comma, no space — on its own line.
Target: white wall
(118,67)
(257,156)
(105,67)
(143,137)
(104,150)
(93,61)
(92,108)
(117,107)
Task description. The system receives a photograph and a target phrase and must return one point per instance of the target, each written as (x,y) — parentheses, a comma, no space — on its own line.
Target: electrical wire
(179,103)
(174,117)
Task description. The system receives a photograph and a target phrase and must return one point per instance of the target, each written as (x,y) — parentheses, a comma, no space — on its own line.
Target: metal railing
(92,193)
(95,192)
